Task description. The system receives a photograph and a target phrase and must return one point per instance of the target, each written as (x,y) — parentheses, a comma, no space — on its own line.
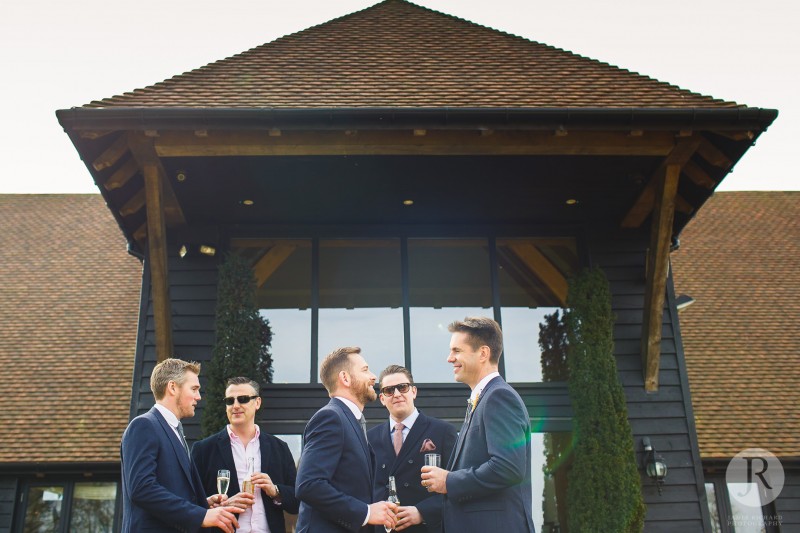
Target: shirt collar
(168,415)
(482,385)
(350,405)
(408,422)
(234,436)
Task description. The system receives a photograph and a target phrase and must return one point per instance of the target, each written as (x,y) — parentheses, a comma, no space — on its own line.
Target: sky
(57,55)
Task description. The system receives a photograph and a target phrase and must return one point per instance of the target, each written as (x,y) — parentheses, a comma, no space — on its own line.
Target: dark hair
(481,331)
(241,380)
(335,362)
(396,369)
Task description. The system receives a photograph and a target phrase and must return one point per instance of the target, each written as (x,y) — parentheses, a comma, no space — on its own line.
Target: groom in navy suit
(161,489)
(335,478)
(400,447)
(487,483)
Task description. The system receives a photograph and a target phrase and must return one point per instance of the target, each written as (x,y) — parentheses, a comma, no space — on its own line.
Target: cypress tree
(604,492)
(242,342)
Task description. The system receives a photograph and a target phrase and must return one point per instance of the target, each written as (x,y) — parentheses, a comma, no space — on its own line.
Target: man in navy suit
(414,434)
(230,449)
(335,478)
(161,490)
(487,484)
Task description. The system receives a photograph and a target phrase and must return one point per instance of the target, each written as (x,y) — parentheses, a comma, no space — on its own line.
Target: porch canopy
(344,122)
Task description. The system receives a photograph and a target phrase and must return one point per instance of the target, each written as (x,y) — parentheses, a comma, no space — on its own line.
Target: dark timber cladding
(664,415)
(8,490)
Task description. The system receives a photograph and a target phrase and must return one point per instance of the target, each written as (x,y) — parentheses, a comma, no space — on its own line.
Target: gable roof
(739,260)
(68,315)
(396,54)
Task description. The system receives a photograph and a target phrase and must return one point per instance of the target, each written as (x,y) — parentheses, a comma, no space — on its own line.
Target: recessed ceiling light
(408,202)
(571,201)
(247,202)
(181,175)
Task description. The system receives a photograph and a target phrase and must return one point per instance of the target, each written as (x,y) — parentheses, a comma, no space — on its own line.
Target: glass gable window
(361,300)
(395,297)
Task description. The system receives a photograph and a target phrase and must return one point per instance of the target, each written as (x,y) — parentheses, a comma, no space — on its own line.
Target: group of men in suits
(341,484)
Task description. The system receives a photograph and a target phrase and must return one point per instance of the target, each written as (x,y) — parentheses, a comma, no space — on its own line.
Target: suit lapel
(226,452)
(177,446)
(468,422)
(356,425)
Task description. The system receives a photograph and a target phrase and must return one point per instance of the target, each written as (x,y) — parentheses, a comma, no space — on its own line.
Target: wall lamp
(195,249)
(654,464)
(683,301)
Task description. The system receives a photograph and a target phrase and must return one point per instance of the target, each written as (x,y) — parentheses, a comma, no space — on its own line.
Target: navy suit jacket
(489,484)
(214,452)
(406,466)
(161,490)
(335,477)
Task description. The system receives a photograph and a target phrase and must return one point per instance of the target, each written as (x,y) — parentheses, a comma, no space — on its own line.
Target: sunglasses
(241,399)
(402,387)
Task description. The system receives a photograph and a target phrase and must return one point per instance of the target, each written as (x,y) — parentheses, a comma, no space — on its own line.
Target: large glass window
(88,507)
(550,463)
(44,509)
(736,507)
(449,279)
(395,298)
(93,507)
(282,269)
(361,300)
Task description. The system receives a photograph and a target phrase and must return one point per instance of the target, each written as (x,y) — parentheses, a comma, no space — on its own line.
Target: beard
(364,392)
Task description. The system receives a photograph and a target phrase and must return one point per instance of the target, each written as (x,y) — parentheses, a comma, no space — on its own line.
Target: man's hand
(383,514)
(434,479)
(241,501)
(223,518)
(407,517)
(264,482)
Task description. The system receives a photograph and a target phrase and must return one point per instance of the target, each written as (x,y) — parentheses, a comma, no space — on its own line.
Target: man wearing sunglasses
(400,447)
(231,448)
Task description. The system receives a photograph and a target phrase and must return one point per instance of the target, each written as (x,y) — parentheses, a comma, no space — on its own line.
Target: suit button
(383,466)
(405,485)
(411,461)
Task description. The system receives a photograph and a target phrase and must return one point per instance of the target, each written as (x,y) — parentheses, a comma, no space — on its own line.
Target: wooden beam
(112,154)
(144,153)
(93,135)
(259,143)
(134,204)
(542,268)
(737,135)
(657,270)
(698,175)
(682,205)
(121,176)
(643,205)
(157,257)
(713,155)
(270,261)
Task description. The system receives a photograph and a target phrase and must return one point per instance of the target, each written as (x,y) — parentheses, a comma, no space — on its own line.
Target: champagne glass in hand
(433,459)
(392,497)
(223,480)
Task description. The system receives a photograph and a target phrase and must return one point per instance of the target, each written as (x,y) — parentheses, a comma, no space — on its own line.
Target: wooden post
(666,188)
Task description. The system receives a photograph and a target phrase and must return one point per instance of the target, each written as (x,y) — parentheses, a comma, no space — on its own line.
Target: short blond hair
(170,370)
(335,362)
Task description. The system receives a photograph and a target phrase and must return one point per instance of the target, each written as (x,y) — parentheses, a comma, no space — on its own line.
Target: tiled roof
(740,260)
(399,55)
(69,298)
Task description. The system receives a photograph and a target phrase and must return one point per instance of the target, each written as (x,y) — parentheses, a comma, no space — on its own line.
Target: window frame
(68,482)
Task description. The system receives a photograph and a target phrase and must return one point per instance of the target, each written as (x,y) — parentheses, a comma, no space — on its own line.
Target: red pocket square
(427,446)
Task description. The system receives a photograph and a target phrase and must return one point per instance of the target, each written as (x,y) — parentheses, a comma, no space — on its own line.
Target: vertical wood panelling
(664,415)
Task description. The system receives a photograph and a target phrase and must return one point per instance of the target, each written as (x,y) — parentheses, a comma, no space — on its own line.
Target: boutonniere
(427,446)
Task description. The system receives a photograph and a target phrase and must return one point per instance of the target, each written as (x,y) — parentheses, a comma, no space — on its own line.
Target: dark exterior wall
(666,415)
(193,296)
(8,494)
(787,506)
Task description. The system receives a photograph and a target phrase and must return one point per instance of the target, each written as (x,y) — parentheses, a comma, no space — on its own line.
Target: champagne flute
(392,497)
(223,480)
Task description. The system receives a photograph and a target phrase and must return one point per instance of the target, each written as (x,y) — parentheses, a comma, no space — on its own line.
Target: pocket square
(427,446)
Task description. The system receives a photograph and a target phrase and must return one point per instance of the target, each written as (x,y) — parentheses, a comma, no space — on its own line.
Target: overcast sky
(56,55)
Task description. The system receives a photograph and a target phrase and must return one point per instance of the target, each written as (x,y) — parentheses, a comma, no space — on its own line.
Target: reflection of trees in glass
(557,446)
(43,514)
(93,507)
(713,510)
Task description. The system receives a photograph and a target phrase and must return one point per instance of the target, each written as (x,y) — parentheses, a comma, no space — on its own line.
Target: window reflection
(43,514)
(360,299)
(282,269)
(532,277)
(93,507)
(449,279)
(551,461)
(713,509)
(746,513)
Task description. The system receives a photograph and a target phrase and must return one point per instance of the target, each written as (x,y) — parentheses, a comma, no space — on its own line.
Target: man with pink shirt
(231,448)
